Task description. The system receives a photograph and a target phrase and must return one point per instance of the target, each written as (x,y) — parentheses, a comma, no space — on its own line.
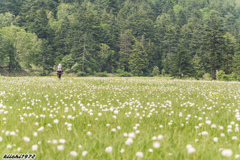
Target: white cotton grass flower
(108,149)
(56,121)
(215,139)
(113,130)
(150,150)
(89,133)
(204,133)
(55,141)
(26,139)
(80,146)
(122,150)
(189,146)
(1,139)
(34,147)
(84,153)
(137,131)
(156,144)
(131,135)
(62,140)
(35,134)
(222,135)
(190,149)
(73,153)
(9,146)
(12,133)
(160,137)
(60,147)
(208,122)
(129,141)
(139,154)
(213,126)
(41,128)
(227,152)
(154,138)
(234,138)
(237,156)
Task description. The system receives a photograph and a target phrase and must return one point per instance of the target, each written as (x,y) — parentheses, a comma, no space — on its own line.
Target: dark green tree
(138,59)
(181,62)
(212,48)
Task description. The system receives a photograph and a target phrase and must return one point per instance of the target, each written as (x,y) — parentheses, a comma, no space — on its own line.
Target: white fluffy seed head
(26,139)
(56,121)
(35,134)
(191,150)
(215,139)
(108,149)
(129,141)
(139,154)
(73,153)
(60,147)
(156,144)
(227,152)
(84,153)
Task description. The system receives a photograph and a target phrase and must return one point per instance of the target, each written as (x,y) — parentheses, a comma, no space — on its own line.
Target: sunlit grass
(97,113)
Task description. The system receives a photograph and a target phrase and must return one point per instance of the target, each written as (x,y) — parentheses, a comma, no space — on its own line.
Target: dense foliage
(180,37)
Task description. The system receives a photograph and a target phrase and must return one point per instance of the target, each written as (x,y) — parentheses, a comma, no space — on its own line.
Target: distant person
(59,71)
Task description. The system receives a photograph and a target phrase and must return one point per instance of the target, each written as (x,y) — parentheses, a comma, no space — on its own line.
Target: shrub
(119,71)
(155,71)
(207,76)
(67,70)
(226,77)
(101,74)
(81,74)
(163,72)
(43,74)
(125,74)
(75,68)
(220,74)
(89,71)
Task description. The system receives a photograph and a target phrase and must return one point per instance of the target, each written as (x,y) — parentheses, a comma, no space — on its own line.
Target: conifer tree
(138,59)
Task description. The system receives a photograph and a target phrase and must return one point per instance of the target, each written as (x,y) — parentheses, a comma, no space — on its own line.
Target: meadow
(119,118)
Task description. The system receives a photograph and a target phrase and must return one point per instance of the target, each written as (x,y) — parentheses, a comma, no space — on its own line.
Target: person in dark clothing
(59,71)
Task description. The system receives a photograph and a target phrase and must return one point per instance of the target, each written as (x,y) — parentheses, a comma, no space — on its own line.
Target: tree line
(191,38)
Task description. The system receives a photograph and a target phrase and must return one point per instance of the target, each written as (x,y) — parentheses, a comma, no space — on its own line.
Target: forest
(181,38)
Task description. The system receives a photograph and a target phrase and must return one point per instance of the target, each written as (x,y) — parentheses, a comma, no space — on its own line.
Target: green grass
(149,102)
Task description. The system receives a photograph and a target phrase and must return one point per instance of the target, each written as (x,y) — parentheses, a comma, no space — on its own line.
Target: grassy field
(119,118)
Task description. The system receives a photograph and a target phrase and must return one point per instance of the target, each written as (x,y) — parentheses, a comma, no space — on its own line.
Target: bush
(75,68)
(125,74)
(119,71)
(155,71)
(43,74)
(207,76)
(89,71)
(67,71)
(220,74)
(163,72)
(226,77)
(81,74)
(101,74)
